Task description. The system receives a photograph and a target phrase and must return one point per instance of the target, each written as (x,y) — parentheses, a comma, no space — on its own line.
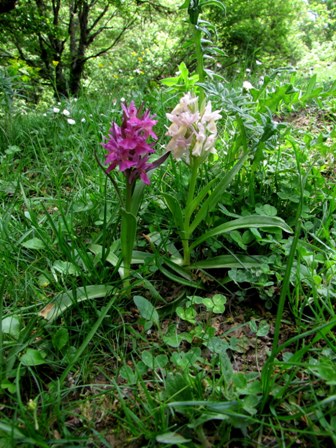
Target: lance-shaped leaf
(127,236)
(66,299)
(252,221)
(230,262)
(175,209)
(214,196)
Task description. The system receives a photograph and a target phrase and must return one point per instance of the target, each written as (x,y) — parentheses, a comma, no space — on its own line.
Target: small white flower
(122,99)
(56,110)
(83,120)
(66,112)
(258,62)
(71,121)
(247,85)
(248,70)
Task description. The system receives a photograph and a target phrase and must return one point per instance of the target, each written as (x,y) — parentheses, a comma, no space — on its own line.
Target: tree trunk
(78,45)
(61,88)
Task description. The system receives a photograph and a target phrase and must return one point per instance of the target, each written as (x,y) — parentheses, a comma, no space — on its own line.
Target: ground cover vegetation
(183,297)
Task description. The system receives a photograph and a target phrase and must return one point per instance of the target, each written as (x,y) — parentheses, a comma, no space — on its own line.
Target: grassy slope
(98,376)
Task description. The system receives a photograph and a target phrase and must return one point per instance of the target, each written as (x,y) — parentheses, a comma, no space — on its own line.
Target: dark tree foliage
(55,37)
(251,29)
(7,5)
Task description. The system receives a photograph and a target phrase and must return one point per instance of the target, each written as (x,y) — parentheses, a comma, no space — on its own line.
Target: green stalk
(199,60)
(194,165)
(127,234)
(268,367)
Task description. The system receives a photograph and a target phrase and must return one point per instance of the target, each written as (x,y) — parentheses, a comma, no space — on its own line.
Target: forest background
(194,304)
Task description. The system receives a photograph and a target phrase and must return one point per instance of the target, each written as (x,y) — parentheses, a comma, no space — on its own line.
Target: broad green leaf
(11,325)
(222,182)
(160,361)
(43,281)
(171,438)
(175,209)
(146,309)
(33,357)
(127,237)
(215,304)
(139,257)
(12,431)
(65,300)
(182,276)
(230,261)
(172,338)
(12,149)
(157,362)
(111,257)
(137,197)
(187,359)
(127,374)
(263,329)
(253,325)
(7,187)
(241,223)
(216,3)
(267,210)
(218,406)
(6,384)
(33,243)
(188,314)
(183,69)
(191,207)
(60,338)
(148,359)
(219,302)
(325,368)
(185,4)
(176,278)
(217,345)
(250,403)
(65,268)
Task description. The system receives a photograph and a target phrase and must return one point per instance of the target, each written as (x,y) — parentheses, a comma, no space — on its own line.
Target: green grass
(168,368)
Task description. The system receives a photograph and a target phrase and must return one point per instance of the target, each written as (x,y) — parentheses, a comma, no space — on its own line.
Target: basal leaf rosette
(193,129)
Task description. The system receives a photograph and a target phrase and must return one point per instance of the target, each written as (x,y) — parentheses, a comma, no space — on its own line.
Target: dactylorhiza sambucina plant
(193,133)
(129,147)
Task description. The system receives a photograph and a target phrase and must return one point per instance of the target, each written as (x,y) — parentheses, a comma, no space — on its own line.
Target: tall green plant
(193,135)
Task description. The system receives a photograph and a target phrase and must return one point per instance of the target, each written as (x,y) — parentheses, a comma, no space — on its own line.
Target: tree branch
(116,40)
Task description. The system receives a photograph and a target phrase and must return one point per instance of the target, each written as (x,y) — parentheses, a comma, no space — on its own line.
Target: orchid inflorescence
(193,130)
(128,147)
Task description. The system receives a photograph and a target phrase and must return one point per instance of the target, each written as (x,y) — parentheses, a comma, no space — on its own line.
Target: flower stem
(128,231)
(199,59)
(194,164)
